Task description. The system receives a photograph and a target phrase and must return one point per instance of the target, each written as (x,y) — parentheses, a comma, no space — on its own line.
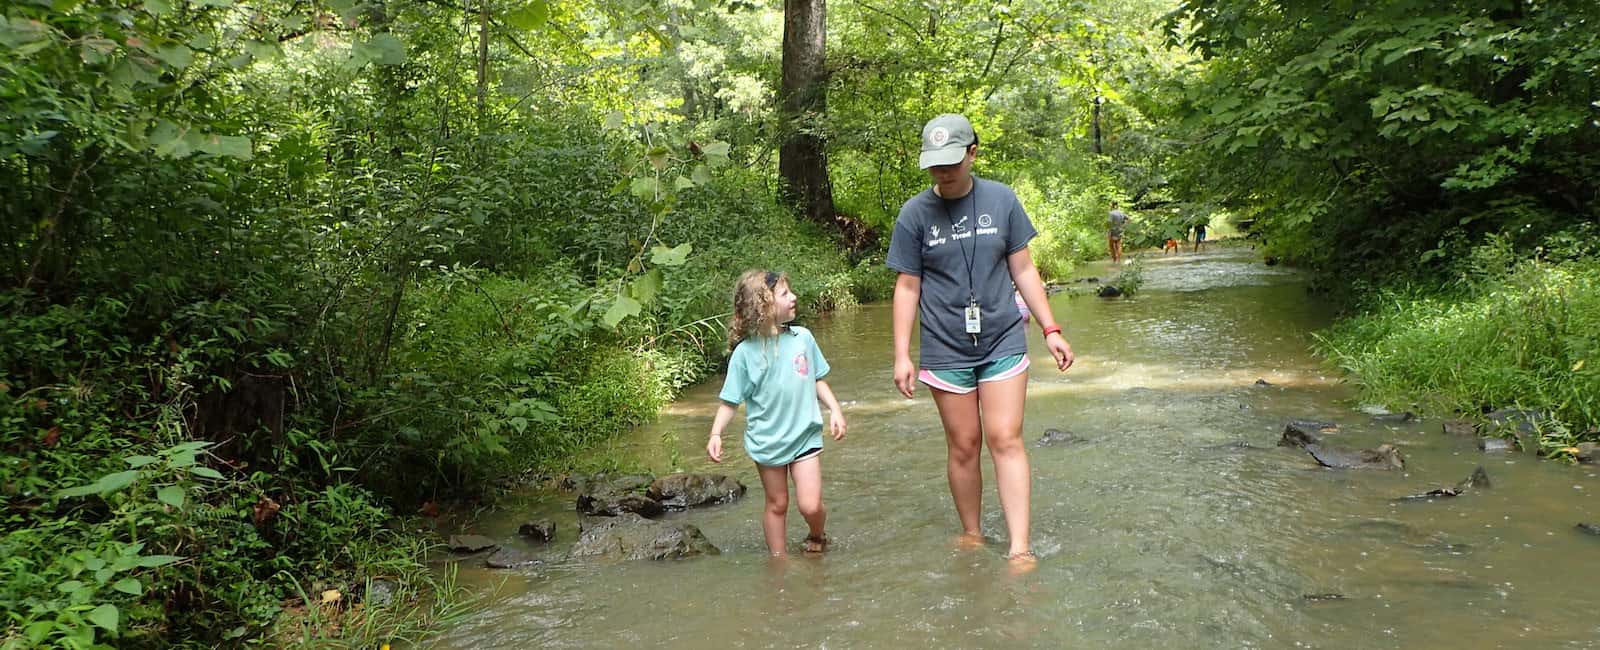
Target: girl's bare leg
(963,439)
(1002,403)
(807,476)
(775,482)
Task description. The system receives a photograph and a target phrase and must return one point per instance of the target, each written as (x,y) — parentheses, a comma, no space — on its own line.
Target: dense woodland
(280,277)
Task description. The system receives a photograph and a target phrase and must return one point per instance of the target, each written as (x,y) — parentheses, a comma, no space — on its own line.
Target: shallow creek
(1154,531)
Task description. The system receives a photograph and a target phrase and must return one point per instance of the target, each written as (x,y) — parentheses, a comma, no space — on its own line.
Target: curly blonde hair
(754,298)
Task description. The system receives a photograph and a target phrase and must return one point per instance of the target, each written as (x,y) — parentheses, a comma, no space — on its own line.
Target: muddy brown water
(1155,531)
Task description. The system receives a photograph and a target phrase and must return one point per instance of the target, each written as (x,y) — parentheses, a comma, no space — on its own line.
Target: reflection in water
(1174,522)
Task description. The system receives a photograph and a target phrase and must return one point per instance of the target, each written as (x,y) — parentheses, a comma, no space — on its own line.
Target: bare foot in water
(969,541)
(1022,562)
(815,545)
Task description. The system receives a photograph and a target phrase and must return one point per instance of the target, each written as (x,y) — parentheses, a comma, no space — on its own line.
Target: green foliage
(275,272)
(1131,277)
(1384,139)
(1514,333)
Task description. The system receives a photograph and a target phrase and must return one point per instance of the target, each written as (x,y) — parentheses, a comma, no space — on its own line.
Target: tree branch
(912,28)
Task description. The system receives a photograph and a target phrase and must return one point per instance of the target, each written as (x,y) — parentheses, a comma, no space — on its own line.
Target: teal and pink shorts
(965,380)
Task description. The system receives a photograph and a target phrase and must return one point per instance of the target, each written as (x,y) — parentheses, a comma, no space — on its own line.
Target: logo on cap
(939,136)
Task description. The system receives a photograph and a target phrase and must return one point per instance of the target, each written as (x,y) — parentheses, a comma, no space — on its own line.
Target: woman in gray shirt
(959,246)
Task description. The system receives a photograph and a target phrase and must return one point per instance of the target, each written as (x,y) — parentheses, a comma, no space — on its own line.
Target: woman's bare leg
(1002,403)
(963,438)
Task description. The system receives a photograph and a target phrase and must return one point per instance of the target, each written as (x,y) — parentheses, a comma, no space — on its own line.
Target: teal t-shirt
(776,380)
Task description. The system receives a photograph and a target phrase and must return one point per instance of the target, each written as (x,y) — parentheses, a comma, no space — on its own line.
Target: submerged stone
(1108,291)
(540,531)
(1461,428)
(1385,457)
(1299,433)
(1592,529)
(631,537)
(1478,480)
(1059,437)
(509,558)
(683,490)
(471,543)
(1494,445)
(608,504)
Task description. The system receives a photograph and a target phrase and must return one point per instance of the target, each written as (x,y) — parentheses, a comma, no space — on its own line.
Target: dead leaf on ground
(264,510)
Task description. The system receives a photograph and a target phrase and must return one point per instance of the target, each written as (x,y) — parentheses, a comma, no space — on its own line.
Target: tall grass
(1525,335)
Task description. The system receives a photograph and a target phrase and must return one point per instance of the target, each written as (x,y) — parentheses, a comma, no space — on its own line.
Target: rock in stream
(631,537)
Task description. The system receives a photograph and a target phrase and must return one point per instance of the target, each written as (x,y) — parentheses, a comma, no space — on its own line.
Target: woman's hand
(714,448)
(905,376)
(1060,350)
(836,425)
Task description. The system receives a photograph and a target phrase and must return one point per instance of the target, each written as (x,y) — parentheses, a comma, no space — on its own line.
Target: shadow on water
(1172,520)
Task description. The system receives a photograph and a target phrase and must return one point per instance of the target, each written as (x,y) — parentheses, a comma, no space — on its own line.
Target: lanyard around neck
(972,289)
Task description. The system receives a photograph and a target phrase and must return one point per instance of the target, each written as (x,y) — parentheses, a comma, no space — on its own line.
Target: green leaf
(682,183)
(383,49)
(104,616)
(177,57)
(701,175)
(70,585)
(232,146)
(106,484)
(205,472)
(644,187)
(716,153)
(674,256)
(140,461)
(168,138)
(37,631)
(621,309)
(530,16)
(645,287)
(613,120)
(171,495)
(261,50)
(153,561)
(129,586)
(659,156)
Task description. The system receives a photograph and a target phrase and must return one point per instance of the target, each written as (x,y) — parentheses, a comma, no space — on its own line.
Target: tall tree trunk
(803,160)
(483,61)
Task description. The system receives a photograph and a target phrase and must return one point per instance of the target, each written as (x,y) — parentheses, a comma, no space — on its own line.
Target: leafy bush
(1514,333)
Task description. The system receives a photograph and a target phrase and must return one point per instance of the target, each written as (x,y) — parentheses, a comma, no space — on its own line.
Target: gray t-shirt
(937,239)
(1119,220)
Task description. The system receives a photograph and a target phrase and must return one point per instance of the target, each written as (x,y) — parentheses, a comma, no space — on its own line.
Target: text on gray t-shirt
(940,240)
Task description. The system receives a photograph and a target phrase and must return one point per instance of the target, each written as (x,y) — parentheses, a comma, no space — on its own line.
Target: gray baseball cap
(945,140)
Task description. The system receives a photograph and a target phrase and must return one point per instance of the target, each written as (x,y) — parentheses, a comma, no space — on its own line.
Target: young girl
(776,371)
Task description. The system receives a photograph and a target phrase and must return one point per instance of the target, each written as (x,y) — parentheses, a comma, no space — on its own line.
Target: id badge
(974,319)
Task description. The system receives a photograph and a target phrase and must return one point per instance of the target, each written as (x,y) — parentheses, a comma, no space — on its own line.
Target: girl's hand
(714,448)
(1060,350)
(905,376)
(836,425)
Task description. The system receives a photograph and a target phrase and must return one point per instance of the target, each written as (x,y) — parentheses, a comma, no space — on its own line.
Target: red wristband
(1052,329)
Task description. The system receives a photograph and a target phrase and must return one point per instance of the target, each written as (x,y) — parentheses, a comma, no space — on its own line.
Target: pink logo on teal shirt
(800,365)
